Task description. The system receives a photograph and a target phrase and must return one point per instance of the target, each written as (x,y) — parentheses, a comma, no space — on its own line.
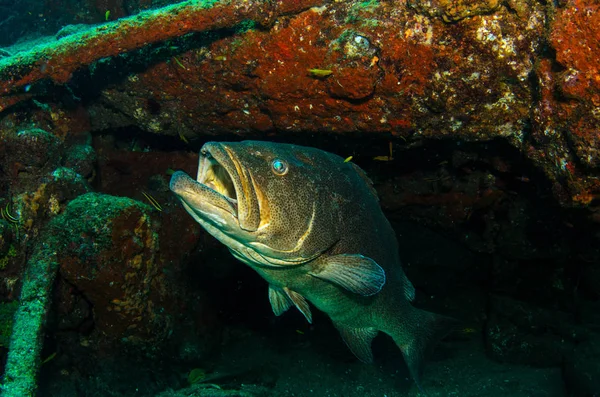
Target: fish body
(310,224)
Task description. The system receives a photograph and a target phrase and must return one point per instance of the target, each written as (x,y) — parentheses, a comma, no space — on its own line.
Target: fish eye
(279,167)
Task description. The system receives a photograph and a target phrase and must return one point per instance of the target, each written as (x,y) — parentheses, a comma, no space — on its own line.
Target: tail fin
(416,336)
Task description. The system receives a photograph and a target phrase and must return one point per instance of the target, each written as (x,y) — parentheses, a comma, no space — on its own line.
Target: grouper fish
(310,224)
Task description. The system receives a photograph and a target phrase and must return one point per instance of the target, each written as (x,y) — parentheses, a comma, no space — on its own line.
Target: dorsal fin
(409,288)
(366,178)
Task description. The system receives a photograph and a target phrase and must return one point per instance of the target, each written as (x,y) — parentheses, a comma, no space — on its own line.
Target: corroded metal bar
(58,60)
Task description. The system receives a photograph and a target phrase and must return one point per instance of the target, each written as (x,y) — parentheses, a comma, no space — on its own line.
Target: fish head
(265,201)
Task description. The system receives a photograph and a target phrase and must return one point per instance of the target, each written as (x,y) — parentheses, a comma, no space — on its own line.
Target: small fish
(382,158)
(348,159)
(310,224)
(319,73)
(49,358)
(181,65)
(389,157)
(5,213)
(152,201)
(107,15)
(182,137)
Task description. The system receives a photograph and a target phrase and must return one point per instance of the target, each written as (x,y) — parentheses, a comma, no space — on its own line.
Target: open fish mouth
(223,189)
(213,194)
(216,177)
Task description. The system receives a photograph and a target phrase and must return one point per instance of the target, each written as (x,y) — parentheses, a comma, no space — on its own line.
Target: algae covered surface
(7,312)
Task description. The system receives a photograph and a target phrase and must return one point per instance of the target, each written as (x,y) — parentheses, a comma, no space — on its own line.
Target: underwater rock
(121,282)
(565,117)
(72,311)
(574,34)
(81,159)
(452,11)
(111,258)
(44,196)
(5,241)
(353,83)
(30,151)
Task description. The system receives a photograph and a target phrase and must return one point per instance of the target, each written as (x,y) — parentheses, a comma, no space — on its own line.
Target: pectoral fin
(359,341)
(356,273)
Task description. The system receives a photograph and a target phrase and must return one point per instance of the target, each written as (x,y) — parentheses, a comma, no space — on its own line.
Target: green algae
(357,11)
(20,377)
(7,314)
(12,252)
